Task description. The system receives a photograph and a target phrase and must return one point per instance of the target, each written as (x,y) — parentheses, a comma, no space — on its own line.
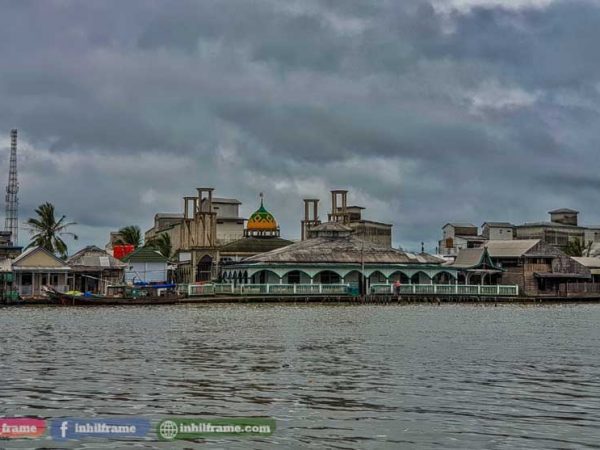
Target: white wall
(147,272)
(229,231)
(226,209)
(448,232)
(593,234)
(500,234)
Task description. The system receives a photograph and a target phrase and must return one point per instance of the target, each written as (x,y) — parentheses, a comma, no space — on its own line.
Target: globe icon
(168,429)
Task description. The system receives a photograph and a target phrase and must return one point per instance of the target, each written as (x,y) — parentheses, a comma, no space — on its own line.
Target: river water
(368,377)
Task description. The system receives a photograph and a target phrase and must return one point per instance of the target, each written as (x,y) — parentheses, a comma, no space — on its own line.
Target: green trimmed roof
(145,254)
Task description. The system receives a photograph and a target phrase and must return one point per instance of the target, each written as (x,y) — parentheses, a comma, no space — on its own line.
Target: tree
(47,231)
(578,247)
(162,243)
(131,235)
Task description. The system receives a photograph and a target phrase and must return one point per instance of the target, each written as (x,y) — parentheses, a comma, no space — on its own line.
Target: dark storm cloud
(425,112)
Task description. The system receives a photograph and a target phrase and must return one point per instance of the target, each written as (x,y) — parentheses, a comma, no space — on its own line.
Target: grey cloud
(381,97)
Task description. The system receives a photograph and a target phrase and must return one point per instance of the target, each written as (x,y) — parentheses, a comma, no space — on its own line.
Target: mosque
(261,235)
(331,253)
(211,243)
(210,234)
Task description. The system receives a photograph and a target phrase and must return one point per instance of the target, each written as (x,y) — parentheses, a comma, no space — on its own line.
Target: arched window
(293,277)
(329,277)
(204,272)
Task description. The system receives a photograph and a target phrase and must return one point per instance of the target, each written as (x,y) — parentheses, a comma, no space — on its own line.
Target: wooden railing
(210,289)
(197,290)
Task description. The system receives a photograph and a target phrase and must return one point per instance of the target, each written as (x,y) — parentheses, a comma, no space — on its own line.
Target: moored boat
(120,295)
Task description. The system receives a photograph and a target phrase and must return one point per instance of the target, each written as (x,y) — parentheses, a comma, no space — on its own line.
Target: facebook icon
(110,428)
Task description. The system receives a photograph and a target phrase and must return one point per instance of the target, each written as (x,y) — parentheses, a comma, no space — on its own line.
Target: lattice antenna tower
(12,201)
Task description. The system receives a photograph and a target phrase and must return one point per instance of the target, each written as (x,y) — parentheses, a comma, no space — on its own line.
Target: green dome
(262,220)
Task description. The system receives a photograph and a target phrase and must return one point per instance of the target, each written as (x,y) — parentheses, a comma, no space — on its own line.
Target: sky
(426,111)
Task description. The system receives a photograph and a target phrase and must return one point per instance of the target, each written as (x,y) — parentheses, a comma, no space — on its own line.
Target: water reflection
(332,376)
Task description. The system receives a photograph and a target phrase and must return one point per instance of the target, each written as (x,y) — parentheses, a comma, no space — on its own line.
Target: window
(329,277)
(26,279)
(294,277)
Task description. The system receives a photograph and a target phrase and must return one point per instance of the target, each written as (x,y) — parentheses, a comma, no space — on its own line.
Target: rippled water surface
(332,376)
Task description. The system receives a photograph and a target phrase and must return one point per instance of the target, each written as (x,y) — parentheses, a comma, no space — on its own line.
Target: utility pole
(363,281)
(12,201)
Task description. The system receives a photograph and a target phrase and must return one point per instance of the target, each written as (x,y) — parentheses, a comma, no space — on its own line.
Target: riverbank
(370,299)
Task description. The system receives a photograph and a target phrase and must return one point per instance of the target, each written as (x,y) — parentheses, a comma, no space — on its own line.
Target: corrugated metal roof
(32,250)
(342,250)
(499,224)
(169,215)
(510,249)
(254,245)
(547,224)
(331,226)
(145,254)
(468,257)
(94,257)
(588,261)
(563,211)
(461,225)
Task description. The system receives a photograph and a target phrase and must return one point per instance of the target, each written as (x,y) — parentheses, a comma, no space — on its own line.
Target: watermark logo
(175,428)
(168,429)
(21,427)
(113,428)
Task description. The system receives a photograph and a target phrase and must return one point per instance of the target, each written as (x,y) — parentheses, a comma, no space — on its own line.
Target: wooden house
(36,268)
(93,269)
(538,268)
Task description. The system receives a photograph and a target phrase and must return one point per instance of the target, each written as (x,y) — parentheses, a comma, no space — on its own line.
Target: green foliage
(47,232)
(577,247)
(130,235)
(162,243)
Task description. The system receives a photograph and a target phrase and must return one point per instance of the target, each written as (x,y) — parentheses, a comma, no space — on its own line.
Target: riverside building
(333,253)
(562,228)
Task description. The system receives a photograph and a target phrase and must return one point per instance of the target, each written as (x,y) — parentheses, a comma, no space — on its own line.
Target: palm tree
(162,243)
(577,247)
(47,231)
(131,235)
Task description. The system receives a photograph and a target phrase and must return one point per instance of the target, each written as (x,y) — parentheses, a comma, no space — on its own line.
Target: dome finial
(262,196)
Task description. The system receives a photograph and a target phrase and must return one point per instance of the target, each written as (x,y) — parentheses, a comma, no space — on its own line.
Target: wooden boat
(120,295)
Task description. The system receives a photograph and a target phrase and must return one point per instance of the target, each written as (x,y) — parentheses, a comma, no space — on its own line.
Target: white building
(456,236)
(145,265)
(230,226)
(498,231)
